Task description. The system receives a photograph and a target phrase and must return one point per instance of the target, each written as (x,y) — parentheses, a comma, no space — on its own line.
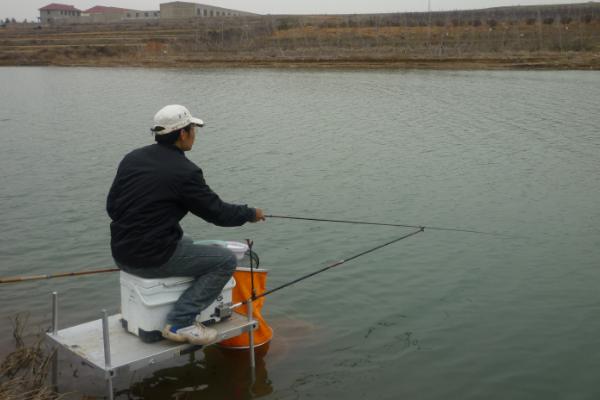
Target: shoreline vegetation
(520,37)
(24,371)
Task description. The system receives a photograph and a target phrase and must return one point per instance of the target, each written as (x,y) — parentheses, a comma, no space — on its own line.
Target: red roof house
(58,7)
(56,12)
(105,10)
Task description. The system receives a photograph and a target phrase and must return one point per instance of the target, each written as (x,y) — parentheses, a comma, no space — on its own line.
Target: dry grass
(24,372)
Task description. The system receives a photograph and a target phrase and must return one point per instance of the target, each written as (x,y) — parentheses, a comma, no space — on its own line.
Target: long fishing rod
(99,271)
(420,229)
(437,228)
(59,275)
(336,264)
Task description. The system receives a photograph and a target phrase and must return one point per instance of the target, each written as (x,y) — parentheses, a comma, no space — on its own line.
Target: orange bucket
(241,292)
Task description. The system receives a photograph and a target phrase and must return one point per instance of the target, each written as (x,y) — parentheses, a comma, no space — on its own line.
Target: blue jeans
(212,266)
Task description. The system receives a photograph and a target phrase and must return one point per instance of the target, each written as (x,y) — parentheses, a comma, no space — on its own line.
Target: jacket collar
(171,147)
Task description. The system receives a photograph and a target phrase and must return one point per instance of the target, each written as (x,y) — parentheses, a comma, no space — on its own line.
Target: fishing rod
(254,296)
(420,229)
(436,228)
(59,275)
(335,264)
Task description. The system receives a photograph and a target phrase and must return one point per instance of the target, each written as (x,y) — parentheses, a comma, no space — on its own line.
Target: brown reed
(24,371)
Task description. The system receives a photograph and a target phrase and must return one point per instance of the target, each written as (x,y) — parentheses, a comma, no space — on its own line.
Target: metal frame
(54,373)
(107,363)
(91,343)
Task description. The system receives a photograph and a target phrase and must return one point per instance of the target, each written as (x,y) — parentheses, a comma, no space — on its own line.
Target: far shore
(514,62)
(462,64)
(563,37)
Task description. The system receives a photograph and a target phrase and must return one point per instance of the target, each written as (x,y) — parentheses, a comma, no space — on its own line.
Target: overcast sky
(21,9)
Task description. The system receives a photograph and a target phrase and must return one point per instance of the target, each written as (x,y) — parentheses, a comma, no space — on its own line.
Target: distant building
(102,14)
(62,13)
(135,15)
(182,9)
(58,13)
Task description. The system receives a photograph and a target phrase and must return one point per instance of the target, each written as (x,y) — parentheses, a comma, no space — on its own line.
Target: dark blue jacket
(153,190)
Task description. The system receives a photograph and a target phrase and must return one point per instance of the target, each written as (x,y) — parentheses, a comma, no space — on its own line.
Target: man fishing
(154,188)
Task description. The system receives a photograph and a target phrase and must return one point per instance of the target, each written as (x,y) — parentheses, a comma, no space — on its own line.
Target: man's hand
(260,215)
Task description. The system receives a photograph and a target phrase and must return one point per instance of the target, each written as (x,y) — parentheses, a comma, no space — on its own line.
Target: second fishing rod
(338,263)
(335,264)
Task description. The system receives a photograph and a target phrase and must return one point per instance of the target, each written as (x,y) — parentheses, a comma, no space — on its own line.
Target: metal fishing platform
(106,346)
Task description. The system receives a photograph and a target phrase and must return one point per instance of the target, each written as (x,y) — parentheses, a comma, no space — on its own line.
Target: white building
(137,15)
(182,9)
(56,12)
(62,13)
(102,14)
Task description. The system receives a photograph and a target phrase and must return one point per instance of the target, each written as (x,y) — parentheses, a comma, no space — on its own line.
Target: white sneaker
(198,334)
(172,333)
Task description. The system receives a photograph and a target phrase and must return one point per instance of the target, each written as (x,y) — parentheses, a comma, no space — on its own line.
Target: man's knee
(230,261)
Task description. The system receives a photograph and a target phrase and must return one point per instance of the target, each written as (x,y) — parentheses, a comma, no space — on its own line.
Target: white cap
(172,118)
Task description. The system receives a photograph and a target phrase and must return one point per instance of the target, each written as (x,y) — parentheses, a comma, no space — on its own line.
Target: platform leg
(54,367)
(107,362)
(251,343)
(109,388)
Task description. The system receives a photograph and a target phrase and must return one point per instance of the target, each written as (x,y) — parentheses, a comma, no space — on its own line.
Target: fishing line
(436,228)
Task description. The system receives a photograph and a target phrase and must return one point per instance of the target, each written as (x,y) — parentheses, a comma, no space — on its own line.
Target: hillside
(563,37)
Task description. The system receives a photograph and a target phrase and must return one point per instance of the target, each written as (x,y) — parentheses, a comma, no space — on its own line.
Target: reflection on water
(221,374)
(225,373)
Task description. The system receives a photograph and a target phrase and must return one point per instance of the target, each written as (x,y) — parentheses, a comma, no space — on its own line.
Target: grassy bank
(518,37)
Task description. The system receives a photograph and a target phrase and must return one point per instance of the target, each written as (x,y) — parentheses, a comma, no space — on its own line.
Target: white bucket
(145,303)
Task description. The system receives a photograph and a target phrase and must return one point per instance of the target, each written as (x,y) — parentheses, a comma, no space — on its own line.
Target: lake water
(442,315)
